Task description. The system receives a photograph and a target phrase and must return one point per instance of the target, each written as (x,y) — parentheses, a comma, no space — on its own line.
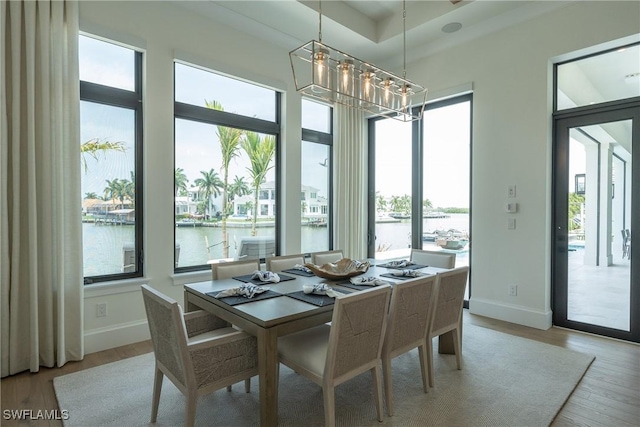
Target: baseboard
(511,313)
(115,336)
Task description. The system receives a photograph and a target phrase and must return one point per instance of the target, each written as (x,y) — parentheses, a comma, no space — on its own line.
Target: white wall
(511,76)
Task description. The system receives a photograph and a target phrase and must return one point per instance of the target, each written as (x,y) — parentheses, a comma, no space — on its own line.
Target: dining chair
(433,258)
(352,345)
(196,351)
(321,258)
(283,262)
(447,316)
(227,270)
(410,314)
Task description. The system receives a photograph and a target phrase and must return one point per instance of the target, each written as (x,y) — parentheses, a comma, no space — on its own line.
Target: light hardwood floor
(608,395)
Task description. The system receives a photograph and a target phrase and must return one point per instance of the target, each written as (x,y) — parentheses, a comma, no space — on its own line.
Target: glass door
(596,283)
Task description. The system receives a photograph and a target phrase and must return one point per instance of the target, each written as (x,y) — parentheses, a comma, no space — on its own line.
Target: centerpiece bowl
(342,269)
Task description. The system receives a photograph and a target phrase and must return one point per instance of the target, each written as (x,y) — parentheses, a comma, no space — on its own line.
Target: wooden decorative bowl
(342,269)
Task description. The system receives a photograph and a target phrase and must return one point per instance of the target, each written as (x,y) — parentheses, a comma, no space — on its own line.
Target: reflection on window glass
(393,188)
(195,86)
(609,76)
(212,224)
(316,116)
(106,63)
(314,197)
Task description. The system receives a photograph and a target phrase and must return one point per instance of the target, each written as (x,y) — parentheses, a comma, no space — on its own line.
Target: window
(111,146)
(317,140)
(226,142)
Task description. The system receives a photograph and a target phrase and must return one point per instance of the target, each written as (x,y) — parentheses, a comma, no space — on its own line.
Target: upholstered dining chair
(410,315)
(321,258)
(433,258)
(227,270)
(283,262)
(447,316)
(196,351)
(331,355)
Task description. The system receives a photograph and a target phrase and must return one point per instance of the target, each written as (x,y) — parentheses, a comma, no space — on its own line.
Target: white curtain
(40,200)
(350,183)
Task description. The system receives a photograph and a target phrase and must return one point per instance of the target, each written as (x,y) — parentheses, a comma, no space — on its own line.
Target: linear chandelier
(330,75)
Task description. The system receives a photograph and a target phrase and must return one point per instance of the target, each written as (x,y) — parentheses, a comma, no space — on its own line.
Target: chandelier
(330,75)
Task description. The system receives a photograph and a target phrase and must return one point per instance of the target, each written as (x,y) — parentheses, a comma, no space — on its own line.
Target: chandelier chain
(404,40)
(320,21)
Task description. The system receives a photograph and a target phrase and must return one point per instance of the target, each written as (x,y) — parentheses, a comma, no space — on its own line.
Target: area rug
(504,381)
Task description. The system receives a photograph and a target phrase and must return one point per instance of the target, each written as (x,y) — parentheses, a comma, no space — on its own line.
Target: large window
(111,146)
(317,140)
(226,139)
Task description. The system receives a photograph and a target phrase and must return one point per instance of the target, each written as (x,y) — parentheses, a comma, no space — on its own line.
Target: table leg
(268,369)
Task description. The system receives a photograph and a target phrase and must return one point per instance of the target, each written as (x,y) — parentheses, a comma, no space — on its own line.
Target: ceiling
(372,28)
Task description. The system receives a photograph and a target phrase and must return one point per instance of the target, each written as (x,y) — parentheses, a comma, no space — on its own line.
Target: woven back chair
(331,355)
(227,270)
(448,313)
(433,258)
(284,262)
(410,316)
(196,351)
(321,258)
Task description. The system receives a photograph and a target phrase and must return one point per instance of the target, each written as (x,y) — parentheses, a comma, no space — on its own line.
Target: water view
(104,244)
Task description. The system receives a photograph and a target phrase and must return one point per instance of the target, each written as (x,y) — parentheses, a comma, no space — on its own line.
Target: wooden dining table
(271,318)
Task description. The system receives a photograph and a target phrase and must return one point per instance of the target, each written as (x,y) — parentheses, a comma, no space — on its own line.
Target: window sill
(114,287)
(190,277)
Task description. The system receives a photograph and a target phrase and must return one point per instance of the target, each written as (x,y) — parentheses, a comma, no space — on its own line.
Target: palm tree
(230,147)
(260,152)
(116,189)
(210,184)
(237,188)
(91,195)
(180,182)
(381,202)
(95,146)
(426,204)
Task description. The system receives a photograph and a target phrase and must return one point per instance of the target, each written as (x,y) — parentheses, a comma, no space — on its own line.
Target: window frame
(122,98)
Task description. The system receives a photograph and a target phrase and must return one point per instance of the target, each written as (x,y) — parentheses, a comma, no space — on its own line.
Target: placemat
(299,272)
(319,300)
(409,267)
(357,287)
(391,276)
(242,300)
(247,279)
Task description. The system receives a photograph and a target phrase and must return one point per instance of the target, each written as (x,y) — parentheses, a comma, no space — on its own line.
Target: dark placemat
(409,267)
(299,272)
(391,276)
(247,279)
(357,287)
(319,300)
(242,300)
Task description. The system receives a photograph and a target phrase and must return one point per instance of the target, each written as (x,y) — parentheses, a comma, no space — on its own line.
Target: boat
(398,215)
(188,222)
(451,243)
(435,214)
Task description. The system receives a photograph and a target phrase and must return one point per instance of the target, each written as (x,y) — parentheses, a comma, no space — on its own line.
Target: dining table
(279,313)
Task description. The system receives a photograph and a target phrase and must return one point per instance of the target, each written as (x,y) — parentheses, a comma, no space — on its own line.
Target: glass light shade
(346,78)
(405,92)
(368,86)
(387,93)
(321,67)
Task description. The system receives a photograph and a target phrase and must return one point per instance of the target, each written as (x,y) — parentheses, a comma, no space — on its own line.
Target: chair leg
(430,360)
(190,409)
(329,406)
(157,388)
(424,370)
(388,383)
(229,388)
(377,389)
(457,347)
(247,385)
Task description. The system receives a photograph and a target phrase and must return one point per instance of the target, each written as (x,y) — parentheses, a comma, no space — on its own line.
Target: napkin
(266,276)
(367,281)
(320,289)
(302,268)
(246,290)
(400,263)
(407,273)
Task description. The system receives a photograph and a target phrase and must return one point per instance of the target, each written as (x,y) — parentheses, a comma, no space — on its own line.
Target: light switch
(512,207)
(511,191)
(511,224)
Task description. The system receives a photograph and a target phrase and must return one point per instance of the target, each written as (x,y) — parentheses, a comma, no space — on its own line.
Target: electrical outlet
(513,290)
(511,224)
(101,309)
